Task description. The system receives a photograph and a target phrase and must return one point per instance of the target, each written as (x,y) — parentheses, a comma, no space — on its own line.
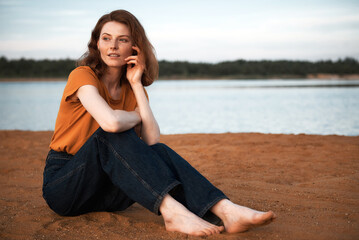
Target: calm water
(213,106)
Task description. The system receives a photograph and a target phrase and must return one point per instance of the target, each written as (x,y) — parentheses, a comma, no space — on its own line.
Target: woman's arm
(150,131)
(109,120)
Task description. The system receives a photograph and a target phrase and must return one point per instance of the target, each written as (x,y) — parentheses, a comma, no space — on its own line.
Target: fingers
(137,56)
(132,57)
(136,60)
(129,66)
(132,62)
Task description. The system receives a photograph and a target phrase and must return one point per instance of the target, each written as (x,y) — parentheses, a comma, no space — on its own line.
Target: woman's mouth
(113,55)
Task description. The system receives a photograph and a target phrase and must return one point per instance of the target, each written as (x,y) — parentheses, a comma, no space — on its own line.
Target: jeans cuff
(211,204)
(156,208)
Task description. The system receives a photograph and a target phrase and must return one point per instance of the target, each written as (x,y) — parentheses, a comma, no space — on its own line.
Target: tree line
(29,68)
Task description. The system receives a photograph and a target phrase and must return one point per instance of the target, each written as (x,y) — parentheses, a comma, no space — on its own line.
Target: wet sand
(311,182)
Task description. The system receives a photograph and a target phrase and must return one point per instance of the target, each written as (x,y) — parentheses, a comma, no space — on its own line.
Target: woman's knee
(159,147)
(125,139)
(101,132)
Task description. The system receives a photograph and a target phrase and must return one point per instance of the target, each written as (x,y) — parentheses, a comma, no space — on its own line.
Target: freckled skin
(115,37)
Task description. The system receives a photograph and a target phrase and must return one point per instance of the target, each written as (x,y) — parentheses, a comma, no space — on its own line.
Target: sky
(196,31)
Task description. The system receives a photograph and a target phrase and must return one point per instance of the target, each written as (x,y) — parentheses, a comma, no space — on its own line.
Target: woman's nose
(114,45)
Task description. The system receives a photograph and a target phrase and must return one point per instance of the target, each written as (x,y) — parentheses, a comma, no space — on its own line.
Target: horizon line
(199,62)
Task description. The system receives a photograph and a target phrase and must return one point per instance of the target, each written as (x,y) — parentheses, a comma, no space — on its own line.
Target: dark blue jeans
(111,171)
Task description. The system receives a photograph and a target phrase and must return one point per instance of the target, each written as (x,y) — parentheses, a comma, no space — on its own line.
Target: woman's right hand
(136,65)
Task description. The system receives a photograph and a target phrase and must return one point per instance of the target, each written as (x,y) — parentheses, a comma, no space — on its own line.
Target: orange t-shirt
(74,125)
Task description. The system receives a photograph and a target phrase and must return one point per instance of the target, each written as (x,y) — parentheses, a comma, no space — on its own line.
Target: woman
(105,152)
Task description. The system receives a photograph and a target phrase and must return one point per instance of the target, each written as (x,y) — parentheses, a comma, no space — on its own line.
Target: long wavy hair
(92,57)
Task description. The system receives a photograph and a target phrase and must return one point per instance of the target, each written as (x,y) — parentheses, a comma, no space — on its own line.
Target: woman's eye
(123,40)
(106,38)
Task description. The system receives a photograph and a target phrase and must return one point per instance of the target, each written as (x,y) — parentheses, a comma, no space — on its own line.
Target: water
(210,106)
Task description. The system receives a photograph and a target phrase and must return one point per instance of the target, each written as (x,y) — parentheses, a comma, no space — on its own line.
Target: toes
(199,234)
(219,229)
(208,232)
(212,229)
(269,215)
(274,216)
(264,218)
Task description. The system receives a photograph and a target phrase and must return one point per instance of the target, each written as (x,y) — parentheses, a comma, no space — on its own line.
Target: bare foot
(238,218)
(179,219)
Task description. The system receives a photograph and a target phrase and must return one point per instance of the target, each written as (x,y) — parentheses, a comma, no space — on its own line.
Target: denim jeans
(111,171)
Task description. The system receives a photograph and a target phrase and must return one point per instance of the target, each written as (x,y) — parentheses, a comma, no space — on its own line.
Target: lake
(210,106)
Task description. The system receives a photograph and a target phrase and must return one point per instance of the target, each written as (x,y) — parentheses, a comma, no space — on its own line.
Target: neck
(111,77)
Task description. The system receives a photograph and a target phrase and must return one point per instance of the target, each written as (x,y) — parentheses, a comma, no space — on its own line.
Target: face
(115,44)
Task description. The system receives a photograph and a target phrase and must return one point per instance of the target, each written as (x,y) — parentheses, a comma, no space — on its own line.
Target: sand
(311,182)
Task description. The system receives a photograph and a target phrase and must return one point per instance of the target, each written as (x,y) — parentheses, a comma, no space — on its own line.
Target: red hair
(92,57)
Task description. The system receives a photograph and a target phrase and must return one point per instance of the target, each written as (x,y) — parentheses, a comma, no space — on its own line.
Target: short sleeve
(79,77)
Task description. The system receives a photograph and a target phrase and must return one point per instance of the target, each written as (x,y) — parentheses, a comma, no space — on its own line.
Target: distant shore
(309,181)
(343,68)
(322,76)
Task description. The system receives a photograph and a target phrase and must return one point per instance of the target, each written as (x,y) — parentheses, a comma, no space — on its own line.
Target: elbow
(111,125)
(109,128)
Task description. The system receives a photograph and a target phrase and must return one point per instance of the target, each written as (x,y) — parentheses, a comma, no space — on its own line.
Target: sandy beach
(311,182)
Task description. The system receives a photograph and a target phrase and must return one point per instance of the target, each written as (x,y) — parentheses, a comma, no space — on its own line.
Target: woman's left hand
(135,66)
